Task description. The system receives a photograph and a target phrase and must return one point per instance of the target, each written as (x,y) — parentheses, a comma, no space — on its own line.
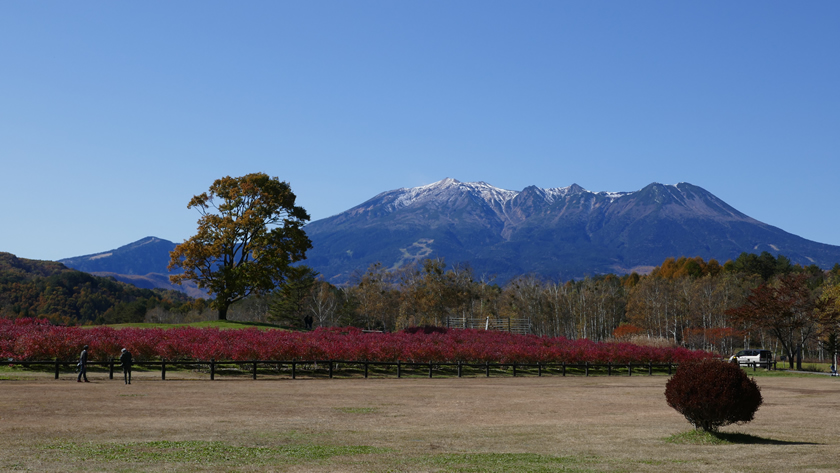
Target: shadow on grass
(700,437)
(748,439)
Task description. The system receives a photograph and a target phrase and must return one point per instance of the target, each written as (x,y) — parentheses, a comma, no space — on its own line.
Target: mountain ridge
(142,263)
(562,232)
(558,233)
(144,256)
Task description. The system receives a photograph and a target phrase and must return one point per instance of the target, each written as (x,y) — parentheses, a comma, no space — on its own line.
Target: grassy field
(220,324)
(476,424)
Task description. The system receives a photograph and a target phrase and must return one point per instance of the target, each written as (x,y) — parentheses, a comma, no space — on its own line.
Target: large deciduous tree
(789,310)
(249,233)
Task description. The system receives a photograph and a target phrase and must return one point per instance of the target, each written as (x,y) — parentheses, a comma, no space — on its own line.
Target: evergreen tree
(288,301)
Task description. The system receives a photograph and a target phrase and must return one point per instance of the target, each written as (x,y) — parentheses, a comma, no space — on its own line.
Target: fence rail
(312,366)
(760,364)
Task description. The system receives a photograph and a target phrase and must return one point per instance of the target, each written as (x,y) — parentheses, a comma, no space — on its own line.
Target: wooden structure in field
(520,326)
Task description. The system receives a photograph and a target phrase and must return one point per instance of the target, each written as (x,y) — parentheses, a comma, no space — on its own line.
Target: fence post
(111,369)
(669,368)
(630,368)
(331,368)
(56,368)
(586,368)
(430,370)
(609,368)
(294,366)
(163,369)
(255,369)
(514,367)
(564,369)
(459,368)
(399,369)
(366,369)
(212,369)
(650,368)
(539,369)
(487,369)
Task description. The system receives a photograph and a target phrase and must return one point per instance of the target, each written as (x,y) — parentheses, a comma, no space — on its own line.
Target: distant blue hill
(142,263)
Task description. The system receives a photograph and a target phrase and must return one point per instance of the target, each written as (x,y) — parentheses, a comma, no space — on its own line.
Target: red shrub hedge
(712,393)
(31,339)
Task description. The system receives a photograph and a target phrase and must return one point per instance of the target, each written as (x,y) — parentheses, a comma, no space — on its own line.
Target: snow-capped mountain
(559,233)
(563,232)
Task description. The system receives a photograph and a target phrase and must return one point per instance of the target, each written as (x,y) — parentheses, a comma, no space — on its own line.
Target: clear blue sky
(113,114)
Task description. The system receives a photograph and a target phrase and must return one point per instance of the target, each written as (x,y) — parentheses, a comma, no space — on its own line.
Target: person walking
(82,366)
(125,362)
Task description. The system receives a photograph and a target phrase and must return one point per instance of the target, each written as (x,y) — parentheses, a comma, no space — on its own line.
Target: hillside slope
(30,288)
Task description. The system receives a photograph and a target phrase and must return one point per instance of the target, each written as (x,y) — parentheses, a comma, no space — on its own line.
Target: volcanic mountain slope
(142,264)
(557,233)
(149,255)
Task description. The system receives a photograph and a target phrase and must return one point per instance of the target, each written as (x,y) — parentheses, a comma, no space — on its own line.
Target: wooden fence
(520,326)
(365,367)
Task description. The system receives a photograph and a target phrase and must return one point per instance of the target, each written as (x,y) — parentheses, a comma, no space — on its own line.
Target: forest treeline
(50,290)
(683,301)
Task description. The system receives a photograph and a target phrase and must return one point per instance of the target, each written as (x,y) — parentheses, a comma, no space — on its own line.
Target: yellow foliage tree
(249,233)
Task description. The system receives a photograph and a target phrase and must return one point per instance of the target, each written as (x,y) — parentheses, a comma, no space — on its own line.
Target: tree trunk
(223,312)
(799,358)
(787,355)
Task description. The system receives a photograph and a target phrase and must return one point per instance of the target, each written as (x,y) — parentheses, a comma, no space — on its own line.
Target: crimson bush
(711,393)
(31,339)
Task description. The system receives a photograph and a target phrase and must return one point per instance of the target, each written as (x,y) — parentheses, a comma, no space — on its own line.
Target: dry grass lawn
(355,425)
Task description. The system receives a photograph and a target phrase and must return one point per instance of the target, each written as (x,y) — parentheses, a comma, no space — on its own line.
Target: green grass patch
(780,373)
(208,453)
(504,462)
(220,324)
(697,437)
(700,437)
(817,367)
(6,377)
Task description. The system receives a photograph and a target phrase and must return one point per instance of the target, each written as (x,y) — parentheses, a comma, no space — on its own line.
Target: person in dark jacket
(125,362)
(82,366)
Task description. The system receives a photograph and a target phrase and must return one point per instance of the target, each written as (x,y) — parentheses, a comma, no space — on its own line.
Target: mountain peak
(555,233)
(143,256)
(558,232)
(449,190)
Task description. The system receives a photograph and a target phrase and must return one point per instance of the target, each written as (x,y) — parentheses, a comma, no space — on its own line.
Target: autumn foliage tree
(429,292)
(249,233)
(789,310)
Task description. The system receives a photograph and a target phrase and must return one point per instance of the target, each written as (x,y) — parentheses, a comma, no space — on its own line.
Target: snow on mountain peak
(492,195)
(497,198)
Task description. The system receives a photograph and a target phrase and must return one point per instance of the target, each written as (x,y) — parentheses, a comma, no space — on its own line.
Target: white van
(750,357)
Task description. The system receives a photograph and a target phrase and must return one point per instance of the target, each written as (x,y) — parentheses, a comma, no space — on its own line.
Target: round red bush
(712,393)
